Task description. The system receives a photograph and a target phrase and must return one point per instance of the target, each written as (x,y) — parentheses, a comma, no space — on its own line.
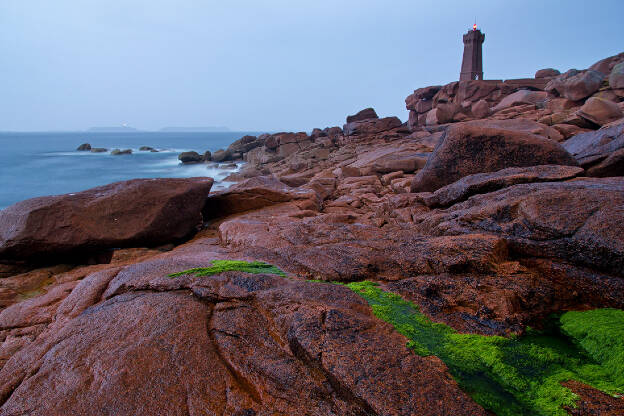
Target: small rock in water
(98,150)
(190,157)
(207,156)
(84,147)
(117,152)
(147,149)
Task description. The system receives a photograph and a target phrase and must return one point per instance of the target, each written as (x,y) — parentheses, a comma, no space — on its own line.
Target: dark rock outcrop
(220,155)
(245,144)
(190,157)
(84,147)
(119,152)
(366,114)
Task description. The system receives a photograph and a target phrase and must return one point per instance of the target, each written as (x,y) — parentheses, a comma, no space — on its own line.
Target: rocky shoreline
(496,206)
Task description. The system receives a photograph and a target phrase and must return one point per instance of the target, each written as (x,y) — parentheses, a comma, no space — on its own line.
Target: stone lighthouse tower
(472,64)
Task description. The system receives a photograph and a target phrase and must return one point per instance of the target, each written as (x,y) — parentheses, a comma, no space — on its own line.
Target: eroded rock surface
(228,344)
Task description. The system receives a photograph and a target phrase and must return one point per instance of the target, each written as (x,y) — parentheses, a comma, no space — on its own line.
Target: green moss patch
(220,266)
(518,375)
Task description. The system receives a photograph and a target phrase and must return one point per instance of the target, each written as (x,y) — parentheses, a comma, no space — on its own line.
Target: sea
(38,164)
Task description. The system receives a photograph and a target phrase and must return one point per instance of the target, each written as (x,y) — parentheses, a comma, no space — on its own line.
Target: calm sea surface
(37,164)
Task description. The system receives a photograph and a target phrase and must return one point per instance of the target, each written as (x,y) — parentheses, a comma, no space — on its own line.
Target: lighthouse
(472,63)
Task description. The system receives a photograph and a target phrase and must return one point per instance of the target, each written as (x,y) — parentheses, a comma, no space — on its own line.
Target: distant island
(195,129)
(126,129)
(115,129)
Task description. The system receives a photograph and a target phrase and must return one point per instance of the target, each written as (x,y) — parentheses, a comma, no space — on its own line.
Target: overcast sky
(271,64)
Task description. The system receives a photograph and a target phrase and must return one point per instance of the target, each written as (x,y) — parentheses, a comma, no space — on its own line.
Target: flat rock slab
(139,212)
(482,183)
(391,159)
(254,193)
(594,146)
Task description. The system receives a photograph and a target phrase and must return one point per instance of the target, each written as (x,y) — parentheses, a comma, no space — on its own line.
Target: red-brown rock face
(475,148)
(137,212)
(233,344)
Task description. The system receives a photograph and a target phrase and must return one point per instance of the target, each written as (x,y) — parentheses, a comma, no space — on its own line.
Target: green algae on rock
(220,266)
(517,375)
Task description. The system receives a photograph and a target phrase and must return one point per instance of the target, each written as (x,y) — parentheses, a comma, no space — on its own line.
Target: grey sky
(268,65)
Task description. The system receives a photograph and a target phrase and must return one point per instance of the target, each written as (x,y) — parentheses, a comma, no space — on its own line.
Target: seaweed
(520,375)
(220,266)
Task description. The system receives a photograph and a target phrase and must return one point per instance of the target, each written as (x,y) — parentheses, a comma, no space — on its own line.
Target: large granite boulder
(333,132)
(139,212)
(470,90)
(616,78)
(594,147)
(421,94)
(480,109)
(576,85)
(390,159)
(371,126)
(521,125)
(476,147)
(442,113)
(190,157)
(579,221)
(613,165)
(251,194)
(221,155)
(521,97)
(290,143)
(245,144)
(261,155)
(606,65)
(600,111)
(365,114)
(547,73)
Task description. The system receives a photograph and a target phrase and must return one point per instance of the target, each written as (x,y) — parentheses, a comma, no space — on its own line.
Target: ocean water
(37,164)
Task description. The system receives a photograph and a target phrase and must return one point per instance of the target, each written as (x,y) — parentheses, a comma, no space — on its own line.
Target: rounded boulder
(135,213)
(476,147)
